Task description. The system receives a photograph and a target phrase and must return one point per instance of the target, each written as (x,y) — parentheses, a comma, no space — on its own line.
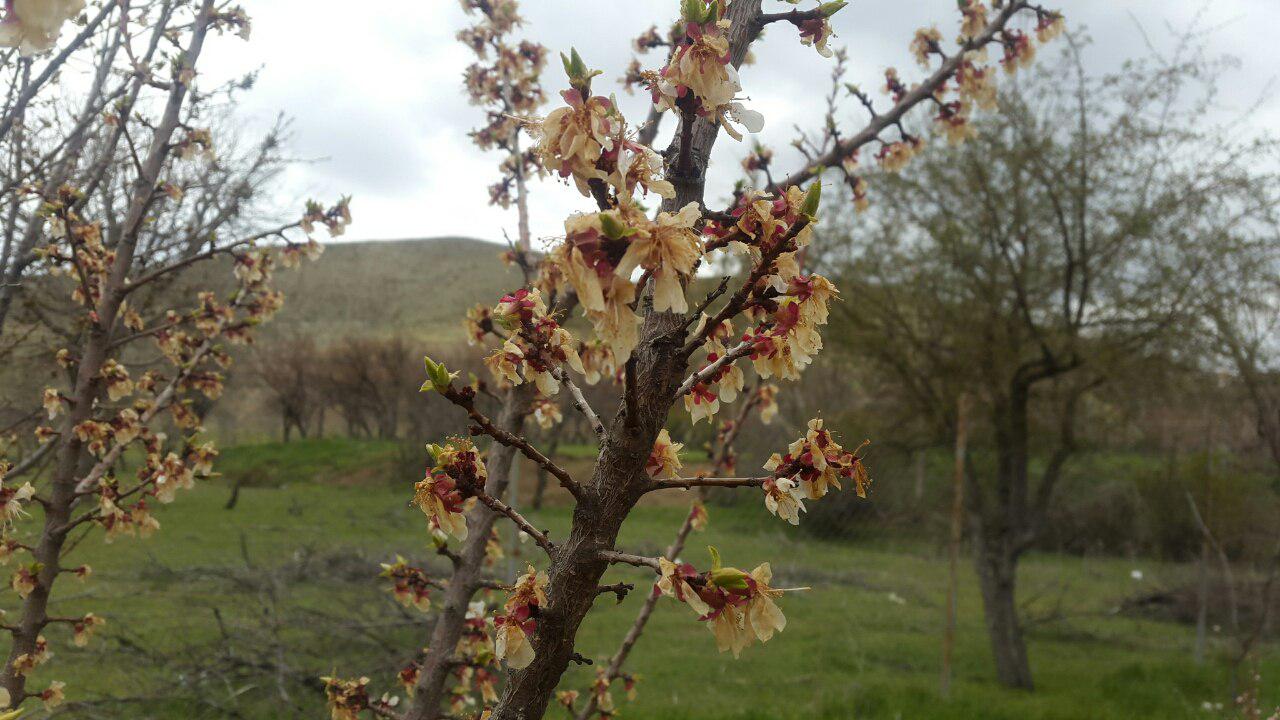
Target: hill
(418,288)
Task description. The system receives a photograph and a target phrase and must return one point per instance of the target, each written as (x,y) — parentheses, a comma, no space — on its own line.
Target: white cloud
(375,88)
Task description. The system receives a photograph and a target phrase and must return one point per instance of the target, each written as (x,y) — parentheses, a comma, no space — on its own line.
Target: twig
(485,425)
(614,557)
(580,401)
(620,589)
(692,482)
(706,302)
(504,509)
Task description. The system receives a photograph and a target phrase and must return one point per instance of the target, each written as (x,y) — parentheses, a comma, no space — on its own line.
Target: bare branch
(514,515)
(620,589)
(923,92)
(613,557)
(466,401)
(692,482)
(580,402)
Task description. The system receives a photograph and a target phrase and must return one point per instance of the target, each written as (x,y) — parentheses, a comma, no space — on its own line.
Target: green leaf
(615,229)
(831,8)
(692,11)
(438,376)
(812,199)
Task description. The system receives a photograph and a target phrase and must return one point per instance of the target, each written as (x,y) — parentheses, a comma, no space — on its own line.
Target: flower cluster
(546,412)
(816,31)
(536,347)
(602,250)
(588,140)
(519,620)
(33,26)
(664,459)
(12,498)
(598,362)
(335,219)
(738,606)
(811,466)
(700,78)
(703,399)
(458,475)
(410,585)
(759,221)
(347,698)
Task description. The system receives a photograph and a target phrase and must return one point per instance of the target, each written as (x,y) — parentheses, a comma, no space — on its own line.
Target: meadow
(234,613)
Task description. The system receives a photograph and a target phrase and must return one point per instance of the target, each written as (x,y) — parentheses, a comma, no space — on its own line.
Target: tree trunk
(617,484)
(997,574)
(957,536)
(464,583)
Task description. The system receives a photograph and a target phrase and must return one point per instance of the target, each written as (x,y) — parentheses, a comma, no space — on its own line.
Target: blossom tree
(627,270)
(119,408)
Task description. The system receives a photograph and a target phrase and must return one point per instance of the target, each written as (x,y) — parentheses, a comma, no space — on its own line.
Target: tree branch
(735,353)
(486,426)
(692,482)
(921,93)
(613,557)
(514,515)
(580,402)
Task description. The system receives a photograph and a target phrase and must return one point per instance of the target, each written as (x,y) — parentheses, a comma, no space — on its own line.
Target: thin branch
(920,93)
(613,557)
(466,401)
(735,353)
(620,589)
(1228,576)
(693,482)
(795,17)
(706,302)
(206,255)
(30,461)
(504,509)
(580,401)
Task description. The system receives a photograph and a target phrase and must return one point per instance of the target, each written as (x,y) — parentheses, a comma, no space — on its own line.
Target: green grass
(324,461)
(296,560)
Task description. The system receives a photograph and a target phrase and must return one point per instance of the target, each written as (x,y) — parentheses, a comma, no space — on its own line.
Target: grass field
(228,613)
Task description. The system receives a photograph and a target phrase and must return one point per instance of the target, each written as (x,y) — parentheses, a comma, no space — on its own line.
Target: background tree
(102,240)
(1070,237)
(288,371)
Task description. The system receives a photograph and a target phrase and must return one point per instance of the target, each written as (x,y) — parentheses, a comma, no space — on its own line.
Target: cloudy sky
(374,88)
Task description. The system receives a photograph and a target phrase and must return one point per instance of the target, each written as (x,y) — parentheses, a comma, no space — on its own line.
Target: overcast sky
(374,88)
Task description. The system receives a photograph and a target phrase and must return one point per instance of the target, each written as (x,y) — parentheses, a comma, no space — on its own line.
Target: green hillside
(414,287)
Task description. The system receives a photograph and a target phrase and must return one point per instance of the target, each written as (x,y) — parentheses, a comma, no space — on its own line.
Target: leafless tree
(1067,239)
